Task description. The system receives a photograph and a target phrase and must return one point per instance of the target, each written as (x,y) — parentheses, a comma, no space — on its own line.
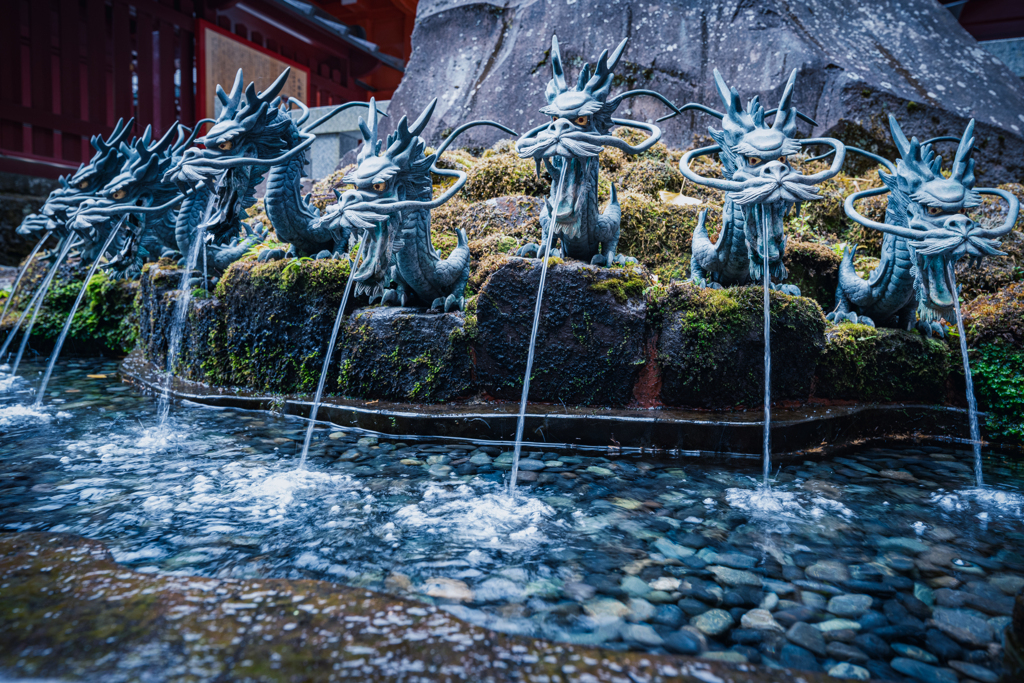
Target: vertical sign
(219,56)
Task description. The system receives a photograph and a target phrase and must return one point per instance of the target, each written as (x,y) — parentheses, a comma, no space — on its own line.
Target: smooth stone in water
(838,625)
(635,586)
(760,620)
(851,606)
(915,653)
(668,615)
(481,459)
(828,570)
(671,550)
(640,610)
(726,656)
(531,465)
(849,672)
(578,591)
(499,590)
(845,652)
(714,622)
(606,607)
(446,589)
(925,673)
(642,634)
(910,545)
(735,577)
(682,643)
(978,673)
(807,637)
(963,627)
(796,657)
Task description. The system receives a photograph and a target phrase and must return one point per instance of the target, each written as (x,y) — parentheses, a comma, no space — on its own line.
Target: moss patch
(868,364)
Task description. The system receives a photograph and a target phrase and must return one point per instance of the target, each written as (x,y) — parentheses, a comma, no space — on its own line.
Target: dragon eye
(934,211)
(753,161)
(226,145)
(554,118)
(782,159)
(84,184)
(582,120)
(379,187)
(119,194)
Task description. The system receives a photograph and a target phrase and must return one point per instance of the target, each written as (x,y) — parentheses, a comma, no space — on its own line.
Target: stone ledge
(736,435)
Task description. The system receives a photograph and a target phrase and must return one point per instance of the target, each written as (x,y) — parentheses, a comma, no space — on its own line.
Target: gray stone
(845,652)
(735,577)
(915,652)
(606,607)
(760,620)
(923,672)
(671,550)
(640,610)
(807,637)
(963,627)
(978,673)
(910,545)
(642,634)
(828,570)
(635,586)
(714,622)
(849,671)
(531,465)
(481,459)
(851,606)
(578,591)
(846,78)
(682,643)
(796,657)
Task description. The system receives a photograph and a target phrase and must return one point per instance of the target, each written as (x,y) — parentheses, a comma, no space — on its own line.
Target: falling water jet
(36,305)
(71,316)
(181,306)
(972,403)
(766,282)
(327,359)
(533,333)
(40,291)
(21,274)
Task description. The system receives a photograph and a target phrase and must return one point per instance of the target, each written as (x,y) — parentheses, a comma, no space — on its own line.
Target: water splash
(765,504)
(994,501)
(55,354)
(972,403)
(10,415)
(546,247)
(493,519)
(327,357)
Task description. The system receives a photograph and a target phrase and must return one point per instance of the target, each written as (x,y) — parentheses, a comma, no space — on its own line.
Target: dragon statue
(389,201)
(581,117)
(760,188)
(255,136)
(926,231)
(86,182)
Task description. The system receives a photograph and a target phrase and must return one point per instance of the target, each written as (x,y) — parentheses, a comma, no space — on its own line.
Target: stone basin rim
(689,436)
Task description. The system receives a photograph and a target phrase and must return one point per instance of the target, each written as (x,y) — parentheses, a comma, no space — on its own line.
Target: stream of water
(766,282)
(21,275)
(327,358)
(546,248)
(972,403)
(55,354)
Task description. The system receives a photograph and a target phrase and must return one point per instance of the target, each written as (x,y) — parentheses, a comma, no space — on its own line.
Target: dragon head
(86,182)
(580,121)
(390,177)
(755,158)
(929,210)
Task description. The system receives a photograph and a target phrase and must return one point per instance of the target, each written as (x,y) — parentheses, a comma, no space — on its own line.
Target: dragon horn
(558,73)
(369,132)
(902,144)
(730,97)
(421,122)
(783,111)
(233,100)
(613,61)
(963,165)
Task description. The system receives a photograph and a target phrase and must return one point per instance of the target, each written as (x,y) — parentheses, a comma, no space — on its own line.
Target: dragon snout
(775,170)
(958,222)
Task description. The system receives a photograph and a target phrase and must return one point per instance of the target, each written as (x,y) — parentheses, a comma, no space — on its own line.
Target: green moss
(623,289)
(814,268)
(659,234)
(504,173)
(998,371)
(867,364)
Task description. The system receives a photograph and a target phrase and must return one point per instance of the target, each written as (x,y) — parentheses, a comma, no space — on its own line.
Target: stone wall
(20,195)
(608,337)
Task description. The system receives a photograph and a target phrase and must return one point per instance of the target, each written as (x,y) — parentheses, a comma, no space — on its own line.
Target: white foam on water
(984,500)
(496,519)
(771,504)
(10,415)
(8,382)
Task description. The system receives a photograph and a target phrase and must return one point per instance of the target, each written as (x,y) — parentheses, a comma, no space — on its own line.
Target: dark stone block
(711,346)
(591,339)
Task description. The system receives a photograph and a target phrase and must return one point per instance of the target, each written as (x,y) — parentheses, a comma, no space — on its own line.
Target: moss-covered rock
(590,343)
(650,177)
(867,364)
(404,354)
(106,321)
(658,235)
(503,173)
(814,268)
(711,346)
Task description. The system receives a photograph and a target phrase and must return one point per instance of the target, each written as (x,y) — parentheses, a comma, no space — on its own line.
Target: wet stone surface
(881,560)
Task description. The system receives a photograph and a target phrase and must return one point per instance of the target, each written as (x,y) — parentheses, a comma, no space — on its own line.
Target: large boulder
(590,343)
(711,346)
(858,62)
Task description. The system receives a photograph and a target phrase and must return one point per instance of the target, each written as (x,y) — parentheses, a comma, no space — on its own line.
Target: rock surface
(20,195)
(857,63)
(591,341)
